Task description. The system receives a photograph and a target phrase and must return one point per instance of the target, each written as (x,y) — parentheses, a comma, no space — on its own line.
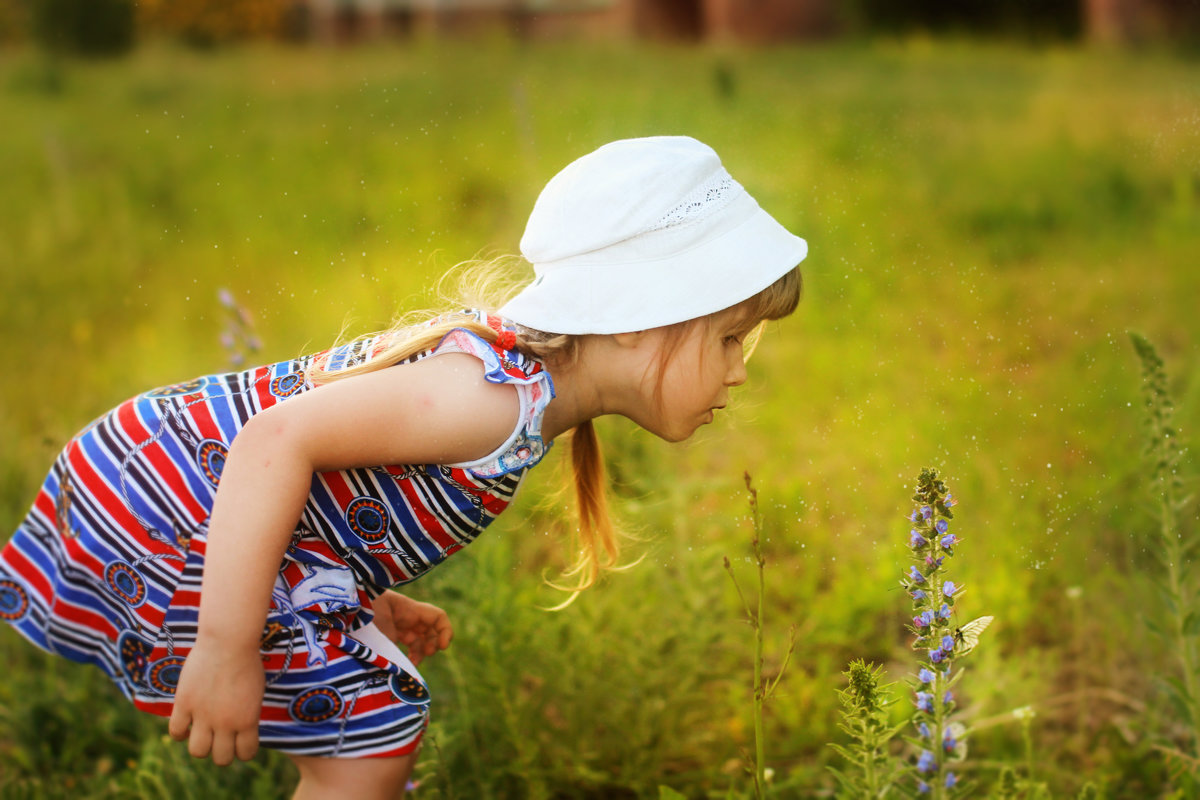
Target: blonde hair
(487,284)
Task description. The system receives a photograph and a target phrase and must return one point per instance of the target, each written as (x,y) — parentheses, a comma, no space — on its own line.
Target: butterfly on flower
(966,637)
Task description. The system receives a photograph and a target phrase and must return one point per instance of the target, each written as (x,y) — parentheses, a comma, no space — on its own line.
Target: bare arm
(439,410)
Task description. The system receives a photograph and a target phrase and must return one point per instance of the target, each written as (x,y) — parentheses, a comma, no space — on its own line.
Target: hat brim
(574,296)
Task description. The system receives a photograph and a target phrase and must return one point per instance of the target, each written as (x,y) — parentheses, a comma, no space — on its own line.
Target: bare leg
(357,778)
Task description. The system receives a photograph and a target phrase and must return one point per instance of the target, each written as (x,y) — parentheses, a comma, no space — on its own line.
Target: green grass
(985,223)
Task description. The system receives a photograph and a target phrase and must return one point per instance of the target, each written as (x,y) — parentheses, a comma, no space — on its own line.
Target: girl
(223,548)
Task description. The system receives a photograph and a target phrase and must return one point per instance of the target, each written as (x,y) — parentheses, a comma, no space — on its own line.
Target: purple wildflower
(934,562)
(926,762)
(949,540)
(926,512)
(941,526)
(936,656)
(918,594)
(915,574)
(949,742)
(925,702)
(922,787)
(945,611)
(917,539)
(951,780)
(925,676)
(948,643)
(948,698)
(949,588)
(949,501)
(914,516)
(923,729)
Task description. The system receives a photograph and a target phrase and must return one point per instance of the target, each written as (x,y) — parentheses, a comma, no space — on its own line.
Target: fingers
(247,744)
(200,742)
(222,748)
(179,724)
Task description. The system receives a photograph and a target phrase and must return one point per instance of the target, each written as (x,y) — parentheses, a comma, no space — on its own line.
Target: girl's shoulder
(504,364)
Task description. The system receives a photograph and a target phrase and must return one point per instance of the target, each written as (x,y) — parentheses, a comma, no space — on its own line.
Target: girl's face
(692,381)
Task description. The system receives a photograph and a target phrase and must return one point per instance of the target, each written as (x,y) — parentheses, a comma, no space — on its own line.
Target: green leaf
(667,793)
(1191,625)
(1177,695)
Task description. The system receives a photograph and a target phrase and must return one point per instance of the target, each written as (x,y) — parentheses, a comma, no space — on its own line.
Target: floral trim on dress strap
(535,389)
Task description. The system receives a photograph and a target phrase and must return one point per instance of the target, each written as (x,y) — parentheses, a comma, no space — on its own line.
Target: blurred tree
(1124,21)
(14,21)
(84,27)
(208,22)
(1033,18)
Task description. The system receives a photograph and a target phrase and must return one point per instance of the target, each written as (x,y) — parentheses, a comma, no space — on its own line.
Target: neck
(591,385)
(575,400)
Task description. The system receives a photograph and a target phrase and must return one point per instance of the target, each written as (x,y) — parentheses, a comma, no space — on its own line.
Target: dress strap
(504,365)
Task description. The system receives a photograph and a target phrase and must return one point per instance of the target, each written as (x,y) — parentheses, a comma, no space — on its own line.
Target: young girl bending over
(224,548)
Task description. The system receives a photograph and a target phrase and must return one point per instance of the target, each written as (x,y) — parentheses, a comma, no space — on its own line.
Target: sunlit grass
(985,223)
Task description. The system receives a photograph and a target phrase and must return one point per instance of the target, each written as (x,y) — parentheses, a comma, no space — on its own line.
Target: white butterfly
(966,637)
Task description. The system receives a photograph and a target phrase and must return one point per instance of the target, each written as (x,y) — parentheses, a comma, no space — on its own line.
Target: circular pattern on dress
(125,582)
(14,603)
(368,518)
(163,674)
(135,654)
(211,457)
(287,385)
(176,389)
(409,689)
(318,704)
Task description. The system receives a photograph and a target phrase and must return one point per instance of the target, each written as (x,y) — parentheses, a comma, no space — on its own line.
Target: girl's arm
(437,410)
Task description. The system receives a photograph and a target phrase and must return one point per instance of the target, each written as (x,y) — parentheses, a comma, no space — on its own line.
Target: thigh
(359,778)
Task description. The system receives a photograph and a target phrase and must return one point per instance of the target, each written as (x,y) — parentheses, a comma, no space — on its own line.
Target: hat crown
(623,190)
(643,233)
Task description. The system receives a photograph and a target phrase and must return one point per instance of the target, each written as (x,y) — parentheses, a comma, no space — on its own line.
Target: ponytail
(599,547)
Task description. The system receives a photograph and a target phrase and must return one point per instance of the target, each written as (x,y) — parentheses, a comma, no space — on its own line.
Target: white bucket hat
(643,233)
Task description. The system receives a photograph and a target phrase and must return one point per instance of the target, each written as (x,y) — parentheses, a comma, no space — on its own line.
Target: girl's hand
(422,628)
(219,698)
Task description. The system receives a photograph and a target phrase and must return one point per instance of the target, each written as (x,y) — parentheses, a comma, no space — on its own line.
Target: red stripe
(167,473)
(185,599)
(431,525)
(341,491)
(45,505)
(84,618)
(81,557)
(21,565)
(87,477)
(160,708)
(205,424)
(262,389)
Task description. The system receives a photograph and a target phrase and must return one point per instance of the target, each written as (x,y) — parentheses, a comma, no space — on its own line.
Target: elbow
(269,438)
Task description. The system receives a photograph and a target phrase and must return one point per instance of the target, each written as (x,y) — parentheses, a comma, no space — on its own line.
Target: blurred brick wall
(768,20)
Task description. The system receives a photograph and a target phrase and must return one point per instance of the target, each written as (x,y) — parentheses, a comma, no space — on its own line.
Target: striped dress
(106,567)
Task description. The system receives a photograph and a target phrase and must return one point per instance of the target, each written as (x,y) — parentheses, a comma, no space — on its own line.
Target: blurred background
(993,192)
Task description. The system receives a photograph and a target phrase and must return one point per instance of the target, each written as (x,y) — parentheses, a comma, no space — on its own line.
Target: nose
(736,374)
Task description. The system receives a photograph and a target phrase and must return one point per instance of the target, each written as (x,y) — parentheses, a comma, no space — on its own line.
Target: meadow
(985,221)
